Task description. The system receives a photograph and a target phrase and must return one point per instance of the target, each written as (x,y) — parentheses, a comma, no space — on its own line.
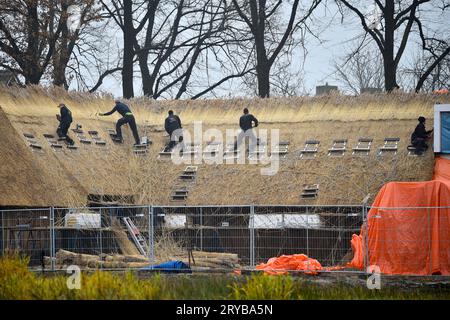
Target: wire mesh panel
(27,233)
(397,240)
(204,237)
(322,233)
(106,237)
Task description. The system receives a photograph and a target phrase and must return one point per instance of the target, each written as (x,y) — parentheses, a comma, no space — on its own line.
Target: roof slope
(115,170)
(24,180)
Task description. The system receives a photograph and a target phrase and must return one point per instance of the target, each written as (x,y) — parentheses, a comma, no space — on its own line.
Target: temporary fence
(212,238)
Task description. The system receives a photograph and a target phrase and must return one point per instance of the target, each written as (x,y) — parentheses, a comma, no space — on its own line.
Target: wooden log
(202,259)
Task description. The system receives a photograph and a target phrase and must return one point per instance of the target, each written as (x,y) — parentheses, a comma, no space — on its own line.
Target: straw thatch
(116,170)
(26,181)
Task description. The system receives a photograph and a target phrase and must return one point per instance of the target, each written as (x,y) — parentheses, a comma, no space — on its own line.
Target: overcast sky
(336,39)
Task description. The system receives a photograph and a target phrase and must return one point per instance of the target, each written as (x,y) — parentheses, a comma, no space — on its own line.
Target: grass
(16,282)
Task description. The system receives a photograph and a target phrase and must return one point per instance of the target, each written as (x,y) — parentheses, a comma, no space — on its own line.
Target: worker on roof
(420,136)
(127,117)
(173,127)
(65,120)
(246,122)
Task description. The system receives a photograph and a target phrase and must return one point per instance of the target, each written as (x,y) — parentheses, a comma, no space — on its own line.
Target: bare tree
(416,77)
(94,58)
(260,17)
(176,48)
(360,69)
(83,13)
(27,37)
(437,55)
(126,14)
(396,21)
(34,35)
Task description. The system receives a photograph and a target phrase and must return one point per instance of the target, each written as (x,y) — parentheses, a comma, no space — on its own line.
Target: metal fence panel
(102,232)
(322,233)
(216,237)
(27,233)
(181,231)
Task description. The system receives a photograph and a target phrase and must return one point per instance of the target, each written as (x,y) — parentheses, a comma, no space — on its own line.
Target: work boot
(117,138)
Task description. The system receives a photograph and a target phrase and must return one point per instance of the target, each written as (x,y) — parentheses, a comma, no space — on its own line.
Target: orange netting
(406,235)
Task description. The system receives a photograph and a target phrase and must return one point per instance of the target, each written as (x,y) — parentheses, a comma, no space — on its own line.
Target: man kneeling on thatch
(420,136)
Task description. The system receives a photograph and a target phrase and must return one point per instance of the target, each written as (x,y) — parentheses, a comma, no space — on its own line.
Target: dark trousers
(246,135)
(174,140)
(132,122)
(420,144)
(62,132)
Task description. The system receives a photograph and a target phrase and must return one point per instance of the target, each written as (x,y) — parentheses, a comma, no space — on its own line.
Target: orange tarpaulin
(282,264)
(442,91)
(357,248)
(405,234)
(442,170)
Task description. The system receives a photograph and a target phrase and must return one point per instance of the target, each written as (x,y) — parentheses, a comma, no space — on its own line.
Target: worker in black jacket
(420,136)
(172,125)
(127,117)
(65,120)
(246,122)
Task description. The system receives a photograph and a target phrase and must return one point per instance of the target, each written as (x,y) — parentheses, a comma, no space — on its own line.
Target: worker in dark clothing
(65,120)
(246,123)
(420,136)
(173,128)
(127,117)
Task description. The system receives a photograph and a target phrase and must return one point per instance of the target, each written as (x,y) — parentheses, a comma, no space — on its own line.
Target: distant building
(371,90)
(326,89)
(7,78)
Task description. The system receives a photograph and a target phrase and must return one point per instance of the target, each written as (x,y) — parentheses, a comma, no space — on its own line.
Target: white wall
(438,108)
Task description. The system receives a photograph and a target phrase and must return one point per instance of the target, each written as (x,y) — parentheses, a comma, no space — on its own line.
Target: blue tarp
(170,267)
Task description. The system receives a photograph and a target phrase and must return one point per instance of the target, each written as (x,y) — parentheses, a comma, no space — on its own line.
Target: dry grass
(118,171)
(37,101)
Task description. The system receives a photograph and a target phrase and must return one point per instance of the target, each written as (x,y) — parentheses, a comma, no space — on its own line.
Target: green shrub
(18,283)
(264,287)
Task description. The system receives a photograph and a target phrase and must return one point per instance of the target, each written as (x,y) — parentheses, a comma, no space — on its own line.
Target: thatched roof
(25,181)
(116,170)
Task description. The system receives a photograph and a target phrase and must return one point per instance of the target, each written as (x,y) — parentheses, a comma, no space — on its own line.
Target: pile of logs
(66,258)
(199,259)
(211,260)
